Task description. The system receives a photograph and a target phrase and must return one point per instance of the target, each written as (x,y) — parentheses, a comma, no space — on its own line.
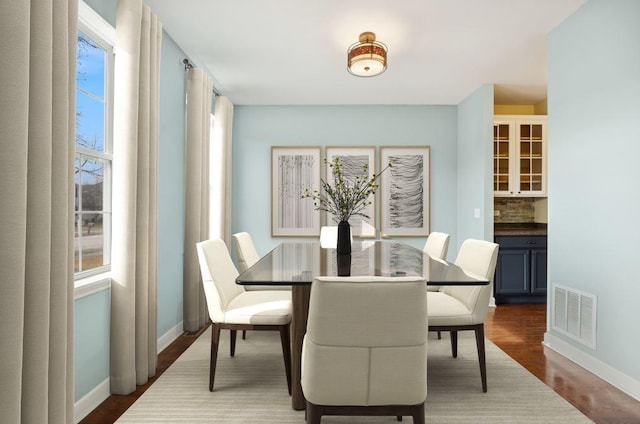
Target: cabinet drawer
(526,242)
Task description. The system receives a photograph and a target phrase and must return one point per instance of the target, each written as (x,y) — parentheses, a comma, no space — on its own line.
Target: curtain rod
(188,65)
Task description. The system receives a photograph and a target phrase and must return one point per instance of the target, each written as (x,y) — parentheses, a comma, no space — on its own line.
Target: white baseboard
(167,338)
(90,401)
(594,365)
(101,392)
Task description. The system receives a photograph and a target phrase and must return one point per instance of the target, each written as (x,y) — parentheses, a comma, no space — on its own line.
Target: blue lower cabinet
(521,271)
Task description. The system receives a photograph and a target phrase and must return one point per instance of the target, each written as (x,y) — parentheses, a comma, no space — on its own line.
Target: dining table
(296,264)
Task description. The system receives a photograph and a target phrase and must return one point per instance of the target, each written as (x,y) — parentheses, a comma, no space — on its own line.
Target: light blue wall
(91,342)
(594,199)
(257,128)
(171,185)
(474,166)
(104,8)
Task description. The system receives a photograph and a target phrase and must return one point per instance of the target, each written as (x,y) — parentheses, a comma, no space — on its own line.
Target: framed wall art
(294,169)
(353,159)
(405,191)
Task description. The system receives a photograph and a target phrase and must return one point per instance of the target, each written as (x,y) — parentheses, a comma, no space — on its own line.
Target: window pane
(90,70)
(77,182)
(76,244)
(89,241)
(89,122)
(92,177)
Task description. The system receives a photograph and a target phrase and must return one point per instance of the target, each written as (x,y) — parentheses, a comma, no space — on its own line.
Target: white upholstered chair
(233,308)
(245,250)
(329,237)
(365,350)
(247,257)
(458,308)
(436,246)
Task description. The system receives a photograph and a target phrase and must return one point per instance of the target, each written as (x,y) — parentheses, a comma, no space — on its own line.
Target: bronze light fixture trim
(367,57)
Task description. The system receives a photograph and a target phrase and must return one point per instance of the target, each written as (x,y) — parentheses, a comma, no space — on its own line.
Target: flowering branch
(346,198)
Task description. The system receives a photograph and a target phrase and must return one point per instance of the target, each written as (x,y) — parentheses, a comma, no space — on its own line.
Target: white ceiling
(275,52)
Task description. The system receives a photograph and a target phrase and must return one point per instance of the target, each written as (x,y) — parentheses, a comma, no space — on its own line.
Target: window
(93,158)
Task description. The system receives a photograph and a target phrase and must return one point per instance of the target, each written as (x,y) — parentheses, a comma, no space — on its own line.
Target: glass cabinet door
(530,157)
(519,155)
(501,157)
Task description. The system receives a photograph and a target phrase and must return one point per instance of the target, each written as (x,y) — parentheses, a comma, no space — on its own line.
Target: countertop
(519,229)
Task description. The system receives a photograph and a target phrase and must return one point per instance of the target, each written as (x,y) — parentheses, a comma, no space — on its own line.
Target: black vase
(344,264)
(344,238)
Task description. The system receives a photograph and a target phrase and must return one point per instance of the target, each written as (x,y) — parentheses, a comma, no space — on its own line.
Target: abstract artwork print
(294,169)
(405,191)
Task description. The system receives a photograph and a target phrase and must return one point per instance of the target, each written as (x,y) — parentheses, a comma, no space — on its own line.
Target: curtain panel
(135,192)
(221,198)
(199,94)
(37,142)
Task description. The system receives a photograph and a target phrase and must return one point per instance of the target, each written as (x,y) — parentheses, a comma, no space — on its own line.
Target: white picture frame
(405,191)
(294,169)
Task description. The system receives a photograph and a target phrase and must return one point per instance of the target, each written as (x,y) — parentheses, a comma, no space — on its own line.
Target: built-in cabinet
(520,155)
(521,270)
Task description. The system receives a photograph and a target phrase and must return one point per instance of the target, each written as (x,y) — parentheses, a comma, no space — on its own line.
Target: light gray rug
(251,388)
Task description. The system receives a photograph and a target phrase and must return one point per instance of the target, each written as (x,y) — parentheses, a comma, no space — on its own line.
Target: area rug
(251,388)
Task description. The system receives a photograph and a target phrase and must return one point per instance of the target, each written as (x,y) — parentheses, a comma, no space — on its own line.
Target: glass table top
(292,263)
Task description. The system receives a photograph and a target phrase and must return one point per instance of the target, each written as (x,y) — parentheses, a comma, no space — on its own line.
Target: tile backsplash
(521,209)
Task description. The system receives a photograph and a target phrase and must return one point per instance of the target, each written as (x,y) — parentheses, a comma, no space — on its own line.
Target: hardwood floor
(516,329)
(519,330)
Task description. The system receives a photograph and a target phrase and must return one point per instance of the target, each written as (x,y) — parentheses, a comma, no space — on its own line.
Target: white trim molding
(101,392)
(90,401)
(91,285)
(90,20)
(594,365)
(167,338)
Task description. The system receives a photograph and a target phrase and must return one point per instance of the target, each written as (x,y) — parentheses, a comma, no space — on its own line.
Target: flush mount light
(367,57)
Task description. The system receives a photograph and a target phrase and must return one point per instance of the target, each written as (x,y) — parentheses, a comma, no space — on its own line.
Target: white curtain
(135,178)
(220,179)
(37,141)
(199,87)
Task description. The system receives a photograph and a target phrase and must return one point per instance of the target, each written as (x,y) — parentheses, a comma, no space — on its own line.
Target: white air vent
(574,314)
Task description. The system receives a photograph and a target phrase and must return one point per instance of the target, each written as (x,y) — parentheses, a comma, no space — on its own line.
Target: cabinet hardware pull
(531,242)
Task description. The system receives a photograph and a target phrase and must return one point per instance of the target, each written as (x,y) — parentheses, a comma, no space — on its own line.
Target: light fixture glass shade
(367,57)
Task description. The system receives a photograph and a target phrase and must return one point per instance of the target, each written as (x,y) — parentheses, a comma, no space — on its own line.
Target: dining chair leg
(286,352)
(418,414)
(481,355)
(215,341)
(313,413)
(454,343)
(232,345)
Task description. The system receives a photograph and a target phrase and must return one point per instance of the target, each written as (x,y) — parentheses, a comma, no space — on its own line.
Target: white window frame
(104,35)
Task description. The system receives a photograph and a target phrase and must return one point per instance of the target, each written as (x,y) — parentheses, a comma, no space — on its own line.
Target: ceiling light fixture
(367,57)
